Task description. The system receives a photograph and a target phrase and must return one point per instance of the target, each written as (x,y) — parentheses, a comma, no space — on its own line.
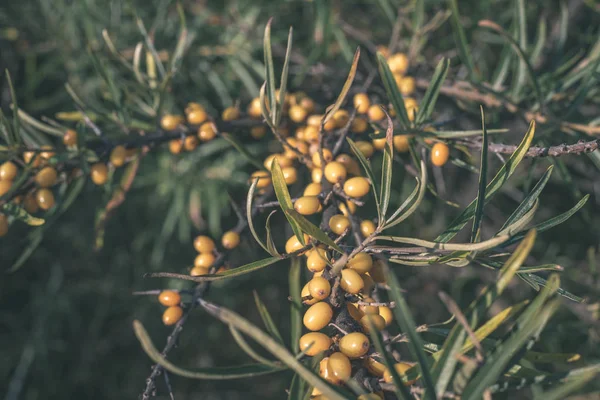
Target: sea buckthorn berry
(193,106)
(407,85)
(311,134)
(401,143)
(351,281)
(99,173)
(379,144)
(329,125)
(297,113)
(317,260)
(299,133)
(354,312)
(8,171)
(440,154)
(314,120)
(398,79)
(348,208)
(338,224)
(359,125)
(230,240)
(349,163)
(3,225)
(258,132)
(410,102)
(175,146)
(374,366)
(197,271)
(313,189)
(341,118)
(47,154)
(300,146)
(354,345)
(5,187)
(335,172)
(70,137)
(190,143)
(205,260)
(339,366)
(377,272)
(369,396)
(368,309)
(367,227)
(30,204)
(254,110)
(313,343)
(375,113)
(323,370)
(375,319)
(316,175)
(317,316)
(412,113)
(357,186)
(369,283)
(44,199)
(365,148)
(327,156)
(264,179)
(306,296)
(206,132)
(307,205)
(387,314)
(282,160)
(118,155)
(290,175)
(361,103)
(196,117)
(172,315)
(398,63)
(204,244)
(361,263)
(46,177)
(170,122)
(33,158)
(230,114)
(308,104)
(401,369)
(169,298)
(319,288)
(293,244)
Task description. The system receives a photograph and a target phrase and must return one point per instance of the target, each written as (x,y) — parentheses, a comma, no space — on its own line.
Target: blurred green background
(65,316)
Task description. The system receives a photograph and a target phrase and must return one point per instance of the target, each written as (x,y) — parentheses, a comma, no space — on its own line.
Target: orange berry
(349,163)
(258,132)
(313,189)
(319,288)
(375,113)
(297,113)
(341,118)
(401,369)
(206,132)
(307,205)
(205,260)
(293,244)
(46,177)
(5,187)
(118,155)
(375,319)
(354,312)
(99,173)
(204,244)
(44,198)
(407,85)
(369,283)
(367,227)
(305,294)
(317,316)
(357,186)
(368,309)
(172,315)
(383,50)
(254,110)
(290,175)
(440,154)
(170,122)
(327,156)
(313,343)
(379,144)
(30,204)
(354,345)
(347,209)
(70,137)
(190,143)
(338,224)
(339,367)
(330,125)
(3,225)
(365,148)
(359,125)
(230,114)
(169,298)
(47,154)
(398,63)
(230,240)
(317,260)
(401,143)
(311,134)
(308,104)
(361,263)
(387,314)
(335,172)
(8,171)
(197,116)
(377,272)
(316,175)
(264,179)
(374,366)
(175,146)
(361,103)
(351,281)
(197,271)
(32,158)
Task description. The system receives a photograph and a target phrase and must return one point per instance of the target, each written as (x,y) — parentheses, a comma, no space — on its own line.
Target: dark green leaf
(284,76)
(284,198)
(296,309)
(366,166)
(266,318)
(400,390)
(19,213)
(344,92)
(386,172)
(461,40)
(480,201)
(392,91)
(312,230)
(242,150)
(433,90)
(270,73)
(249,216)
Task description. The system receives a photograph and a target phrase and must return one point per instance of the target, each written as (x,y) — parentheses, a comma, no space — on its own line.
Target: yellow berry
(319,288)
(230,114)
(175,146)
(313,189)
(308,104)
(118,155)
(349,163)
(298,145)
(306,296)
(197,116)
(46,177)
(339,366)
(282,160)
(258,132)
(172,315)
(317,316)
(30,157)
(412,113)
(327,156)
(170,122)
(440,154)
(368,309)
(70,137)
(290,175)
(254,110)
(401,143)
(316,175)
(297,113)
(341,118)
(3,225)
(44,199)
(99,173)
(293,244)
(398,63)
(349,208)
(193,106)
(385,52)
(357,186)
(169,298)
(264,179)
(205,260)
(407,85)
(379,144)
(361,103)
(230,240)
(354,312)
(30,204)
(369,396)
(335,172)
(5,187)
(374,366)
(351,281)
(317,260)
(47,154)
(375,113)
(307,205)
(338,224)
(329,125)
(190,143)
(369,283)
(354,345)
(204,244)
(361,263)
(367,227)
(8,171)
(206,132)
(313,343)
(311,134)
(387,314)
(197,271)
(359,125)
(314,120)
(365,148)
(375,319)
(377,272)
(401,369)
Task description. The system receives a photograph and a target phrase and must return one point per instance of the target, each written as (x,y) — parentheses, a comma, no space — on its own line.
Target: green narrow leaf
(520,224)
(386,171)
(461,41)
(284,75)
(392,91)
(270,243)
(403,315)
(249,199)
(409,206)
(400,390)
(312,230)
(563,391)
(344,92)
(495,184)
(266,318)
(242,150)
(239,339)
(485,245)
(19,213)
(480,201)
(16,119)
(366,166)
(270,73)
(296,303)
(433,90)
(521,72)
(285,201)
